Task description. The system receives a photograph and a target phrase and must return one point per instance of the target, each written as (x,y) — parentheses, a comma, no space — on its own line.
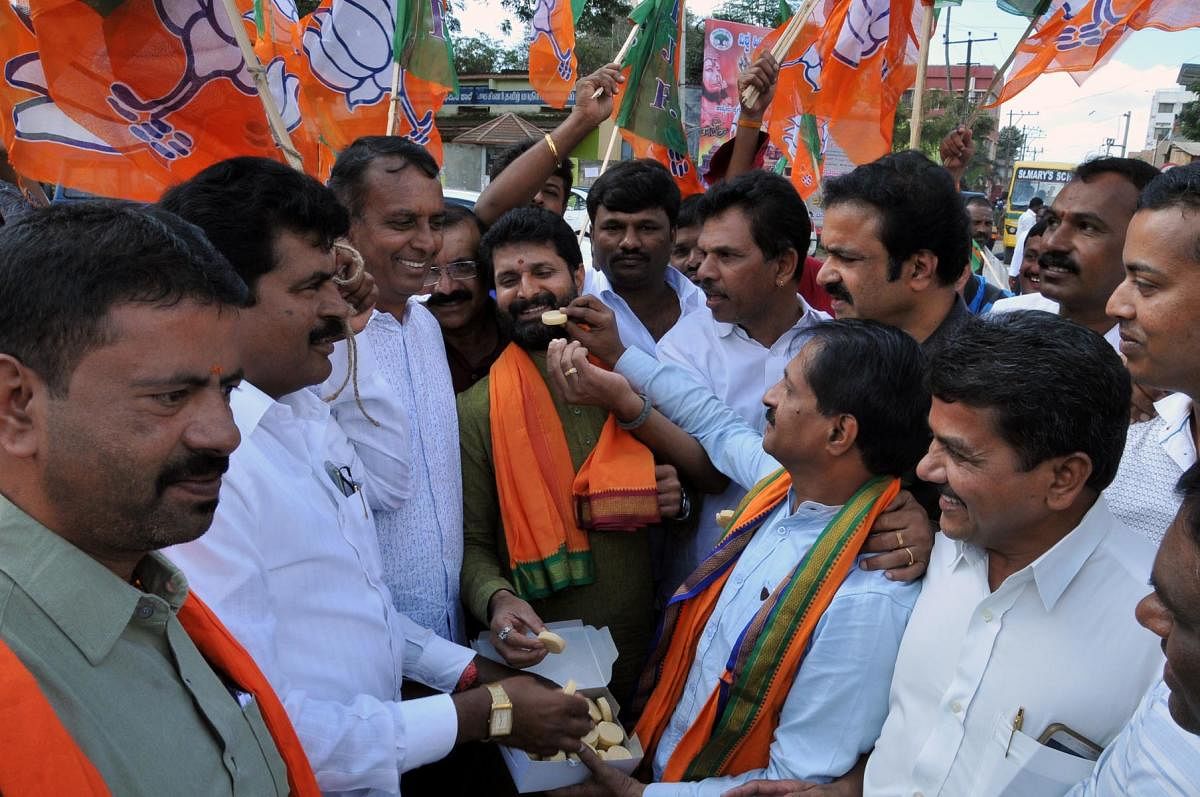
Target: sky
(1074,121)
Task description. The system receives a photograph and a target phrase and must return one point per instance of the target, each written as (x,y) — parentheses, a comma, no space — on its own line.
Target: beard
(533,335)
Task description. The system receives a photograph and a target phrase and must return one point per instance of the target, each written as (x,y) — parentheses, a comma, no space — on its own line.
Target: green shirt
(621,597)
(121,673)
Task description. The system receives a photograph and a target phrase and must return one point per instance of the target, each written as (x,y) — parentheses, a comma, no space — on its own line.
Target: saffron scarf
(40,757)
(544,505)
(733,731)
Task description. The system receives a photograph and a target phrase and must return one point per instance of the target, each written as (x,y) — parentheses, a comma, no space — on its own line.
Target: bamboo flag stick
(918,104)
(255,67)
(633,32)
(395,102)
(784,43)
(998,84)
(612,142)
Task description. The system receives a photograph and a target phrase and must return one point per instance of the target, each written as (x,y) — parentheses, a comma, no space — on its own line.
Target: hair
(1135,171)
(689,211)
(1177,188)
(455,215)
(563,171)
(885,391)
(919,208)
(1036,203)
(64,268)
(242,203)
(348,177)
(530,225)
(778,217)
(1036,231)
(979,201)
(1053,387)
(1188,489)
(633,186)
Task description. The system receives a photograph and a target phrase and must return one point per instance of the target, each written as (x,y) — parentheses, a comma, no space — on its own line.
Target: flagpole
(255,67)
(917,118)
(783,44)
(395,102)
(633,32)
(998,85)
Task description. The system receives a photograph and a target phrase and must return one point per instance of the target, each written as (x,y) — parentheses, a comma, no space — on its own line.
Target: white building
(1164,108)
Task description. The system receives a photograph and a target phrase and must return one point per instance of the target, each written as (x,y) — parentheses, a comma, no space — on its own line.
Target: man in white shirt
(291,564)
(754,234)
(391,189)
(1025,223)
(1081,250)
(633,208)
(1025,621)
(1158,309)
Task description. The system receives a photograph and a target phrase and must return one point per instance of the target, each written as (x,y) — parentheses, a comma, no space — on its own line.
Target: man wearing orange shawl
(559,500)
(117,356)
(775,656)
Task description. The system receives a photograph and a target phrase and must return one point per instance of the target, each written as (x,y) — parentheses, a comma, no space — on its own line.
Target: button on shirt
(1057,639)
(291,565)
(1157,452)
(1152,756)
(631,329)
(121,673)
(738,370)
(421,538)
(837,702)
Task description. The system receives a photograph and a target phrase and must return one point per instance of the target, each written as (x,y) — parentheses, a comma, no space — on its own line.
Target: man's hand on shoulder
(903,539)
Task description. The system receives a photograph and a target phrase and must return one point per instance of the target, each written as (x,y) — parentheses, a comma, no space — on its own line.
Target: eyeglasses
(456,270)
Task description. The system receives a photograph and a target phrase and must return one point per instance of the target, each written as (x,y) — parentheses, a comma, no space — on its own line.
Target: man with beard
(117,357)
(633,208)
(397,213)
(898,241)
(460,302)
(292,560)
(530,555)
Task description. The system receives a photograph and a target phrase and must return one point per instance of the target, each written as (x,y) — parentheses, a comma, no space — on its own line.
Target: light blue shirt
(839,698)
(1151,756)
(631,329)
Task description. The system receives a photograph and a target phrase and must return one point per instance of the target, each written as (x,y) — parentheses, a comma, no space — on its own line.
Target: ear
(1068,477)
(920,270)
(843,433)
(20,389)
(785,267)
(578,275)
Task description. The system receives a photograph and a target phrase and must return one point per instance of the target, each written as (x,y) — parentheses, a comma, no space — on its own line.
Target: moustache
(770,413)
(944,489)
(1058,260)
(439,299)
(544,299)
(331,330)
(192,466)
(709,287)
(838,291)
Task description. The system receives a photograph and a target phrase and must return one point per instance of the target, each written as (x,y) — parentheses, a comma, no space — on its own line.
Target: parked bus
(1030,179)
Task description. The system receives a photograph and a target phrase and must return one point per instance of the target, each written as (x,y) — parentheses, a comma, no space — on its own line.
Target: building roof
(504,130)
(1190,147)
(983,75)
(1188,74)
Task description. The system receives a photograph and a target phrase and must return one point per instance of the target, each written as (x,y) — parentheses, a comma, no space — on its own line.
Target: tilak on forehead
(216,371)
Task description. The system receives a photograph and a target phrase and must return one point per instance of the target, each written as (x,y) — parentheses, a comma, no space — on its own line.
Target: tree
(1189,117)
(1009,143)
(482,54)
(943,113)
(598,17)
(764,13)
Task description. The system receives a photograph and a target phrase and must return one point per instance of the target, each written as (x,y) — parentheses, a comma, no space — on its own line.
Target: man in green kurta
(538,268)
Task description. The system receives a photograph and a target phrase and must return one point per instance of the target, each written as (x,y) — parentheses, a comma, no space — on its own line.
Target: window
(1166,107)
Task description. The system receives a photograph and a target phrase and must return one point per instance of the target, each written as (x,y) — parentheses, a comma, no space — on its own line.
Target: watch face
(501,724)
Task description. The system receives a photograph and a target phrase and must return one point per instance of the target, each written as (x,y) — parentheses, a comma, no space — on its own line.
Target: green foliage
(597,18)
(474,55)
(943,113)
(1009,144)
(1189,117)
(764,13)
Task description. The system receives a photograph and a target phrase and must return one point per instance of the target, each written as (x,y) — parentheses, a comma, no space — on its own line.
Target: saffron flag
(552,62)
(162,82)
(275,23)
(45,144)
(351,49)
(1075,36)
(649,116)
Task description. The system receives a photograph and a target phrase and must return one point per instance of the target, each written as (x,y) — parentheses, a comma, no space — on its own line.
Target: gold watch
(500,722)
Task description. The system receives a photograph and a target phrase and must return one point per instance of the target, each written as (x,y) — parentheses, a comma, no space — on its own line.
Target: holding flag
(552,62)
(650,117)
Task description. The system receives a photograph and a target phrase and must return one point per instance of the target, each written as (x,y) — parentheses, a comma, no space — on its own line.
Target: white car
(575,216)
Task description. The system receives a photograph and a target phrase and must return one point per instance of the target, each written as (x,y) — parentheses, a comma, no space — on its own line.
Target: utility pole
(1020,115)
(969,41)
(1125,139)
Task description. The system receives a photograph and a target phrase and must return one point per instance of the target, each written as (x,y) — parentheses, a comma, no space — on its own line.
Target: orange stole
(41,757)
(752,750)
(544,505)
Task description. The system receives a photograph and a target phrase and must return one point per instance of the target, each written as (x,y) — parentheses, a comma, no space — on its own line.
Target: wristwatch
(500,721)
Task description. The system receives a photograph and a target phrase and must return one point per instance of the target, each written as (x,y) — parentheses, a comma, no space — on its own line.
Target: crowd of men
(273,451)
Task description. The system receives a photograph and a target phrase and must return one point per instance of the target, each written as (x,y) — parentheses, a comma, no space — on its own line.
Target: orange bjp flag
(160,81)
(552,62)
(1075,36)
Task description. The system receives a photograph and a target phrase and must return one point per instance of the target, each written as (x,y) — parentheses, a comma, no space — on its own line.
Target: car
(575,216)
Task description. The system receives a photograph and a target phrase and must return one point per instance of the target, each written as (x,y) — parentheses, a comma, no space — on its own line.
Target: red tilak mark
(216,371)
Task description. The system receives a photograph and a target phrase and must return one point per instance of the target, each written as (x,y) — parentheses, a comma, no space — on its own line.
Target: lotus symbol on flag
(542,27)
(866,30)
(811,62)
(39,119)
(1089,34)
(678,163)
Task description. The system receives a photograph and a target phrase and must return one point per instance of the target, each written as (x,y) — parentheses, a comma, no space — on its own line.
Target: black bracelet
(642,417)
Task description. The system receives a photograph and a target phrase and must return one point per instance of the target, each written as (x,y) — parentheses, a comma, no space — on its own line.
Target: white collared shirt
(1035,301)
(1057,639)
(738,370)
(421,536)
(1157,452)
(838,699)
(291,566)
(631,329)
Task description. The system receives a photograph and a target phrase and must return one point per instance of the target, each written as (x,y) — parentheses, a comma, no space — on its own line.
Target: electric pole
(969,41)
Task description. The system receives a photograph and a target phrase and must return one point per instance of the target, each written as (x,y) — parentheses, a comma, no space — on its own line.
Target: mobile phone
(1059,737)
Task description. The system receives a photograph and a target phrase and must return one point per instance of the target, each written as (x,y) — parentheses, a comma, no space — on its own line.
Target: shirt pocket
(1016,765)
